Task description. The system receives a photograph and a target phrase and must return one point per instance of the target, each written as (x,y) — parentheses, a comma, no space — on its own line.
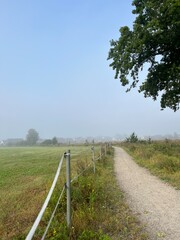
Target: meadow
(25,177)
(98,208)
(162,158)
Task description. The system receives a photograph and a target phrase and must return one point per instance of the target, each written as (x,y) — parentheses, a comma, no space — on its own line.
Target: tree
(153,42)
(133,138)
(47,142)
(54,141)
(32,137)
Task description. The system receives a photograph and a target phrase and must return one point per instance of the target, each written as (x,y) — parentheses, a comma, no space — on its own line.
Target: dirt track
(156,203)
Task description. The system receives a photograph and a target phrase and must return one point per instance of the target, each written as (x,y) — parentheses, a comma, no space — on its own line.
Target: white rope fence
(39,217)
(52,216)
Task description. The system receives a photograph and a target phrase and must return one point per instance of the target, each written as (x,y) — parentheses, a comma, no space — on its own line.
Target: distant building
(2,143)
(13,141)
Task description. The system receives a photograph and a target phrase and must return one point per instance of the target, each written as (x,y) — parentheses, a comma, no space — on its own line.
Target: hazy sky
(54,76)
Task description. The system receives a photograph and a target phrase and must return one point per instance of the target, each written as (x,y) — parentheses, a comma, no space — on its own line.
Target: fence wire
(38,219)
(76,177)
(53,213)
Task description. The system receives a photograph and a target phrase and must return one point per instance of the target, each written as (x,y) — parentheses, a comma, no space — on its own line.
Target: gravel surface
(156,203)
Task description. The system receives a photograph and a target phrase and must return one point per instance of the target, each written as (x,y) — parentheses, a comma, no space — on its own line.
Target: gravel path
(156,203)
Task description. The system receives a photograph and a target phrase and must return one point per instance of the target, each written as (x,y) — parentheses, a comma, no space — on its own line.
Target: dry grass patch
(162,158)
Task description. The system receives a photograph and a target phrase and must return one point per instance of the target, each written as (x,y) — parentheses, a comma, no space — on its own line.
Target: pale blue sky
(54,75)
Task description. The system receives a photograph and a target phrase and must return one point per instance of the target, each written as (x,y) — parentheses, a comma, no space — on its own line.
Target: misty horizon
(55,76)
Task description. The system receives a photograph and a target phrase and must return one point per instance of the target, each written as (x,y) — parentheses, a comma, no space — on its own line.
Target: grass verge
(162,158)
(98,208)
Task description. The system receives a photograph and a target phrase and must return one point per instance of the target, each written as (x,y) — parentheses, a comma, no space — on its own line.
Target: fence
(67,186)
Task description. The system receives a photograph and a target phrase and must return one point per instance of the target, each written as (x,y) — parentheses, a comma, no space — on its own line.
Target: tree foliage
(153,42)
(133,138)
(49,142)
(54,141)
(32,137)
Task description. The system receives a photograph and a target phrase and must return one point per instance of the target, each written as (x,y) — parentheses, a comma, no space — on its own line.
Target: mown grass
(98,208)
(162,158)
(26,175)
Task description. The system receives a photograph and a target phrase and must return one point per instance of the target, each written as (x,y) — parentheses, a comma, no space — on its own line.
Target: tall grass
(162,158)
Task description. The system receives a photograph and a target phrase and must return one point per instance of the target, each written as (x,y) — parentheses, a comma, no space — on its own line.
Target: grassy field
(98,209)
(162,158)
(25,177)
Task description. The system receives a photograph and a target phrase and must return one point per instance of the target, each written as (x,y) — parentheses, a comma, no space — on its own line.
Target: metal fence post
(105,150)
(68,187)
(93,159)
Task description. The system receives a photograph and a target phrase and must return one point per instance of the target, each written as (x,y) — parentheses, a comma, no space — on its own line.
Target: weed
(161,158)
